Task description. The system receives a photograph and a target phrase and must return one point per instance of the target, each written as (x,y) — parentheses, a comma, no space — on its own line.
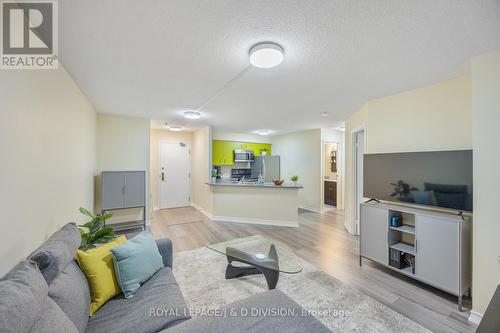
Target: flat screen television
(437,178)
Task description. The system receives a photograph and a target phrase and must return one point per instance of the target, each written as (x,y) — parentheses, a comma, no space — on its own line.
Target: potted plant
(263,152)
(94,232)
(214,175)
(294,179)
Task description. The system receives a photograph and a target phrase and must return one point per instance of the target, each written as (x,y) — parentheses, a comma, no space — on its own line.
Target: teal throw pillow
(135,262)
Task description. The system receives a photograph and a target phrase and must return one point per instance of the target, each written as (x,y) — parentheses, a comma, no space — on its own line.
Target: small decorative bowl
(278,182)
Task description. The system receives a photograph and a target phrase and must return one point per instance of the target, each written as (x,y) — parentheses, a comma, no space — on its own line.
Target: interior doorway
(175,173)
(331,173)
(358,147)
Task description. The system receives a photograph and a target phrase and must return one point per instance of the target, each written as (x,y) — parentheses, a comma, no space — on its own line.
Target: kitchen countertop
(266,185)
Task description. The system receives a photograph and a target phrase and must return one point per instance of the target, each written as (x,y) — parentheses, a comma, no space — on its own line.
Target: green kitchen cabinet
(258,147)
(267,147)
(253,147)
(223,151)
(217,152)
(227,153)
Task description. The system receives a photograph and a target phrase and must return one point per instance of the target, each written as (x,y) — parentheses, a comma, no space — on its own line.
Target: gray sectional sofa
(49,293)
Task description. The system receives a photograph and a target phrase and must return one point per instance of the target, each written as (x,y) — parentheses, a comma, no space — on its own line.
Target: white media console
(440,244)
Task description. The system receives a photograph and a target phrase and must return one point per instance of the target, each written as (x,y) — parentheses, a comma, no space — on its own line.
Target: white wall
(300,154)
(158,135)
(123,145)
(486,225)
(201,159)
(47,149)
(435,117)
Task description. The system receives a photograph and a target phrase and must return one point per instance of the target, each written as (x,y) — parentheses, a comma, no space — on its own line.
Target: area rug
(200,274)
(183,215)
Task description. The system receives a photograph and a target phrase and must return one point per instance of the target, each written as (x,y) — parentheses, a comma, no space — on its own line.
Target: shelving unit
(443,255)
(408,229)
(403,247)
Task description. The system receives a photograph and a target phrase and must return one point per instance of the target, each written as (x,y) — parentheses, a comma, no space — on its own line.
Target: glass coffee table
(261,256)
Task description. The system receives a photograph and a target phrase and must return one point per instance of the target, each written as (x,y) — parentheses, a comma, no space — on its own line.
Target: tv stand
(434,247)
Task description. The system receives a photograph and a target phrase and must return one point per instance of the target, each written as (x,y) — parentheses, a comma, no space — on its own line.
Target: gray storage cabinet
(440,243)
(374,234)
(123,190)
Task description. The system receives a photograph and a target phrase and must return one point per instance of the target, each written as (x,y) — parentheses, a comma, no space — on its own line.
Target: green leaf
(94,232)
(105,216)
(86,212)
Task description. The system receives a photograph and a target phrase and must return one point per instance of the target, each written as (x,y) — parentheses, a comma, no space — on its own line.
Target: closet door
(437,252)
(135,188)
(113,190)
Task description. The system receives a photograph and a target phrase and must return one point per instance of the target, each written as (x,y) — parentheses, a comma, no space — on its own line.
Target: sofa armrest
(165,248)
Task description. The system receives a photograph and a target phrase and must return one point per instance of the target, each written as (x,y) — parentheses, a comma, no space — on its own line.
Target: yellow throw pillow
(97,265)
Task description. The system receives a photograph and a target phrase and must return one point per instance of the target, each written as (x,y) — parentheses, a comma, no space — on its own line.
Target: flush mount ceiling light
(263,132)
(324,114)
(192,114)
(175,128)
(266,55)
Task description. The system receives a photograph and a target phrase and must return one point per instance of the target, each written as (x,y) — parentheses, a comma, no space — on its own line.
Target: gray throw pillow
(23,296)
(57,252)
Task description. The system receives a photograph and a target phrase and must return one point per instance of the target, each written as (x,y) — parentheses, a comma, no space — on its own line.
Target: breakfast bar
(256,203)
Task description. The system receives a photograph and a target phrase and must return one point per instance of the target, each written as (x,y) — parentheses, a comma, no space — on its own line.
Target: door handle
(163,176)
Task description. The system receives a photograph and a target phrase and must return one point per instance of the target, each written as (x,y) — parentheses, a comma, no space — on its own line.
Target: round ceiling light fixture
(266,55)
(324,114)
(263,132)
(175,128)
(192,114)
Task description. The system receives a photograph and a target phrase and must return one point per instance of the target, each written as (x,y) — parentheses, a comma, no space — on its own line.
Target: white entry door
(175,173)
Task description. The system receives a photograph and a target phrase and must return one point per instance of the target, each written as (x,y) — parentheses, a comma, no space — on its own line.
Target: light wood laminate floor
(323,241)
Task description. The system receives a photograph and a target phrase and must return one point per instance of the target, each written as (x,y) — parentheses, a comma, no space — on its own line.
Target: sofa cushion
(135,262)
(23,294)
(97,265)
(57,252)
(70,291)
(135,315)
(53,320)
(248,315)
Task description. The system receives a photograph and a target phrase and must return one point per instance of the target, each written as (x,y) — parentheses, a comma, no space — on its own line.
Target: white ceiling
(156,58)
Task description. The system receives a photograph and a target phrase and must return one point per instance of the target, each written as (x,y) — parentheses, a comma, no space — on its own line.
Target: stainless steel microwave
(243,155)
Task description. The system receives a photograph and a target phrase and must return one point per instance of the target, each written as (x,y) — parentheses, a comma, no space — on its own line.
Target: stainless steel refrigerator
(268,166)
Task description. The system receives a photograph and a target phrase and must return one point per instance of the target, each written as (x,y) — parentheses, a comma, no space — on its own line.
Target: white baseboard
(475,317)
(202,210)
(156,208)
(314,210)
(277,223)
